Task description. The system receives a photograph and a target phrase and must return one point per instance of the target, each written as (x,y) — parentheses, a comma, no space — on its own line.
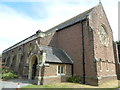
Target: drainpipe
(83,45)
(83,56)
(72,69)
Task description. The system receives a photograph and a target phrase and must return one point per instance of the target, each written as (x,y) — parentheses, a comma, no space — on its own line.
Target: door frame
(31,61)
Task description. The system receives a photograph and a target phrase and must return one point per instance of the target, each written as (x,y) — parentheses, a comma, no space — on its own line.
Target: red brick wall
(50,75)
(70,40)
(25,59)
(90,65)
(49,40)
(51,70)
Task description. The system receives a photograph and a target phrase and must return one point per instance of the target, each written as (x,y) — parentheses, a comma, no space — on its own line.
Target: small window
(61,69)
(107,66)
(101,66)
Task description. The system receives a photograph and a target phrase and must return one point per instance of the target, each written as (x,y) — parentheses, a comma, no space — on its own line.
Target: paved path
(14,83)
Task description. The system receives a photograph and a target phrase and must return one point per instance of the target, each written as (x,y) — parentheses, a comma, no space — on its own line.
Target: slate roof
(21,42)
(71,21)
(55,55)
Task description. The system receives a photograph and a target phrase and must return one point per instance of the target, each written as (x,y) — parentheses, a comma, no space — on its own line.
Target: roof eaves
(58,62)
(21,43)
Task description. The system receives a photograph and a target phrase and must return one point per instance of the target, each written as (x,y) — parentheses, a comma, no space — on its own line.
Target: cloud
(16,25)
(112,15)
(59,12)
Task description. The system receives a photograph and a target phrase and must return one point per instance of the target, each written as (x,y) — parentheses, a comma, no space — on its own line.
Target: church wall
(11,58)
(49,74)
(51,70)
(30,49)
(104,55)
(49,40)
(70,40)
(90,67)
(23,70)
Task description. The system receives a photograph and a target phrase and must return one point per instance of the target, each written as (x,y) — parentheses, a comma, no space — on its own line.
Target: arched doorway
(33,67)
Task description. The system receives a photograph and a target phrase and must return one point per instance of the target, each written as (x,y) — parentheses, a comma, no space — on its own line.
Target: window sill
(60,74)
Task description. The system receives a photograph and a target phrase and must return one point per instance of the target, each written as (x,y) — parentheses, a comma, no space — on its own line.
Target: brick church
(81,46)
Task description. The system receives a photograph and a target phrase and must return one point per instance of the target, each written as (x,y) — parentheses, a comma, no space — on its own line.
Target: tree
(118,43)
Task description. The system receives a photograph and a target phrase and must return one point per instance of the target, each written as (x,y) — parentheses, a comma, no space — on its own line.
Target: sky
(20,19)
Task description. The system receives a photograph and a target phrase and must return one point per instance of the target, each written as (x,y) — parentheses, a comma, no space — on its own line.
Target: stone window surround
(106,63)
(101,60)
(102,25)
(107,66)
(100,66)
(64,69)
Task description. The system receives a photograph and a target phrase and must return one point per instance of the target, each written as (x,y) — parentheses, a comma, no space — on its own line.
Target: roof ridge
(79,15)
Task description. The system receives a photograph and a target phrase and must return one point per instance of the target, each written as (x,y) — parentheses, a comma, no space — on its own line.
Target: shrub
(74,79)
(5,70)
(8,74)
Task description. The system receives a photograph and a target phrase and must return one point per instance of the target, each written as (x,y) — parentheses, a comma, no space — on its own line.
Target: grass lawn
(110,85)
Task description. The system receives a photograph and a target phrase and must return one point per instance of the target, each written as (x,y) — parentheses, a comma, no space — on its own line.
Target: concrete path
(14,83)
